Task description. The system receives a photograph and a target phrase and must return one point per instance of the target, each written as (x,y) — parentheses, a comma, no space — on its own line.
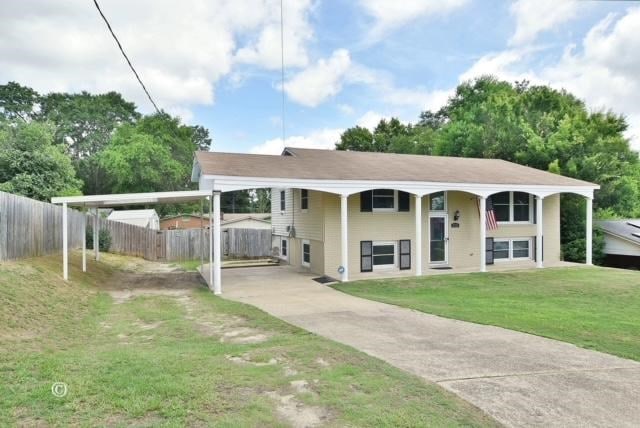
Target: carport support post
(65,249)
(217,280)
(211,242)
(96,234)
(589,231)
(418,235)
(539,231)
(483,234)
(84,240)
(344,237)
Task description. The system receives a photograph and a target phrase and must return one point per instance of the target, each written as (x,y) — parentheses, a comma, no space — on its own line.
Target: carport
(96,202)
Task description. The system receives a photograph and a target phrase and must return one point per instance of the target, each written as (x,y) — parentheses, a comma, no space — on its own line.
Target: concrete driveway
(519,379)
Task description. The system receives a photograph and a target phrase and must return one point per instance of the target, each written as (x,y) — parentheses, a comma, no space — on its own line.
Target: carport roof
(132,198)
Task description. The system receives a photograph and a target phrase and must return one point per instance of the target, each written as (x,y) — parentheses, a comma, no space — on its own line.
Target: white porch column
(539,231)
(418,201)
(65,243)
(344,237)
(589,231)
(211,241)
(84,241)
(96,236)
(217,262)
(483,234)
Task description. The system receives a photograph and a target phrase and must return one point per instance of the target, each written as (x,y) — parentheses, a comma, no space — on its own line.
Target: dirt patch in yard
(298,414)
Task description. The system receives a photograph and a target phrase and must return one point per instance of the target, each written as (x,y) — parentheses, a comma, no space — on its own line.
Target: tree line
(533,125)
(80,143)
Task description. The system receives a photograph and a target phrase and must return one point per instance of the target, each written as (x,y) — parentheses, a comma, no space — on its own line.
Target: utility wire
(282,65)
(127,58)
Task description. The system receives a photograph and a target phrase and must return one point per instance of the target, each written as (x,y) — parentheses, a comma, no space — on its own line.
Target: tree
(85,124)
(17,102)
(236,202)
(261,202)
(139,162)
(31,165)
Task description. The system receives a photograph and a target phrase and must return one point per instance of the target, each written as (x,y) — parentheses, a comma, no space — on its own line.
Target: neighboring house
(142,218)
(358,215)
(621,243)
(229,221)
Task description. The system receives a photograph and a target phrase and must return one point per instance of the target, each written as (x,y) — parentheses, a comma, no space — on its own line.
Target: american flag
(491,223)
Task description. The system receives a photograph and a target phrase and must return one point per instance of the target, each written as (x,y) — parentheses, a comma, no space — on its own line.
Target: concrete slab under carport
(520,379)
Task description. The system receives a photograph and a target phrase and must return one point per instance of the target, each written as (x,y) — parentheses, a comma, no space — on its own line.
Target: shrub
(104,239)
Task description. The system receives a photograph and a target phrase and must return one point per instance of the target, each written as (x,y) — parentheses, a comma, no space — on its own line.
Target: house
(142,218)
(357,215)
(621,243)
(228,221)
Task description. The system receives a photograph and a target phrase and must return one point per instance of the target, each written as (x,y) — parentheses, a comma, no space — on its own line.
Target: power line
(282,65)
(127,58)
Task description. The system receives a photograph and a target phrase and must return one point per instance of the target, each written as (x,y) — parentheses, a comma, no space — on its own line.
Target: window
(512,207)
(283,201)
(283,248)
(438,201)
(306,253)
(384,199)
(304,199)
(512,249)
(501,204)
(384,255)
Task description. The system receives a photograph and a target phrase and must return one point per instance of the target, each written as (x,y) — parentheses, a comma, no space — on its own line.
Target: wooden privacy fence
(236,243)
(30,228)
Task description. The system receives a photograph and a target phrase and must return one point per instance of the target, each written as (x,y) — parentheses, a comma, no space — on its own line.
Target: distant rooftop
(626,229)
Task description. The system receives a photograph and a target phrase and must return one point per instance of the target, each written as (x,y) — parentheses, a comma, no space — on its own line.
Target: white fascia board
(348,187)
(131,198)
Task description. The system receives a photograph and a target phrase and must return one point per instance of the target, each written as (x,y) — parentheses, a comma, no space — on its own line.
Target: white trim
(445,217)
(418,233)
(302,262)
(510,249)
(344,237)
(348,187)
(395,256)
(589,232)
(132,198)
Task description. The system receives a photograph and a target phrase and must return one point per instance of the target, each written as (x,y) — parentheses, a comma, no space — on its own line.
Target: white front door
(438,238)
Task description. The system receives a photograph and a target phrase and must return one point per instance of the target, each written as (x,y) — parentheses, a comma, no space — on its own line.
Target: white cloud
(604,69)
(370,120)
(320,81)
(346,109)
(265,49)
(391,14)
(320,139)
(181,49)
(536,16)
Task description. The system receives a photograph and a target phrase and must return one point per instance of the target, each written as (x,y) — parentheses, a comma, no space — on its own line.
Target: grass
(594,308)
(159,360)
(189,265)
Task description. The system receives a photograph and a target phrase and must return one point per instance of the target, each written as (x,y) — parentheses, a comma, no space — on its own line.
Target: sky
(217,63)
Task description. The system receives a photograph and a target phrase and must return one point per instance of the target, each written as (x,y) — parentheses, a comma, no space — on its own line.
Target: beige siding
(464,241)
(392,226)
(317,255)
(308,223)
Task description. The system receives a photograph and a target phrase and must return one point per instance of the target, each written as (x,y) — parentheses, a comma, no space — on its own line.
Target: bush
(104,239)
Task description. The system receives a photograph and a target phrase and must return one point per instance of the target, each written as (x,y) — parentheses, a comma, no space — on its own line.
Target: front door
(438,239)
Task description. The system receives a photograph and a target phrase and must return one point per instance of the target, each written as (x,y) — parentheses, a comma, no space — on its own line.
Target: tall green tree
(18,102)
(84,125)
(32,165)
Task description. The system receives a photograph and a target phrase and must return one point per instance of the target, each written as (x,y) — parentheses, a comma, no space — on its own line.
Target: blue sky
(216,63)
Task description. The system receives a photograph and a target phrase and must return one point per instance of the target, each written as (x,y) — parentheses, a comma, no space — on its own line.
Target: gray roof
(345,165)
(626,229)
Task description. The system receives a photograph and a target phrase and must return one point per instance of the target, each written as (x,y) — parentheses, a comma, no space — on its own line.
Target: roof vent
(636,225)
(637,235)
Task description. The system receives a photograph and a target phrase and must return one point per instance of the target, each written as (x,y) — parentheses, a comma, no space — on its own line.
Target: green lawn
(175,360)
(595,308)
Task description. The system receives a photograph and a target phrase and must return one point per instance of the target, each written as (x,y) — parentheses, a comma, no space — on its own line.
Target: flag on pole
(491,222)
